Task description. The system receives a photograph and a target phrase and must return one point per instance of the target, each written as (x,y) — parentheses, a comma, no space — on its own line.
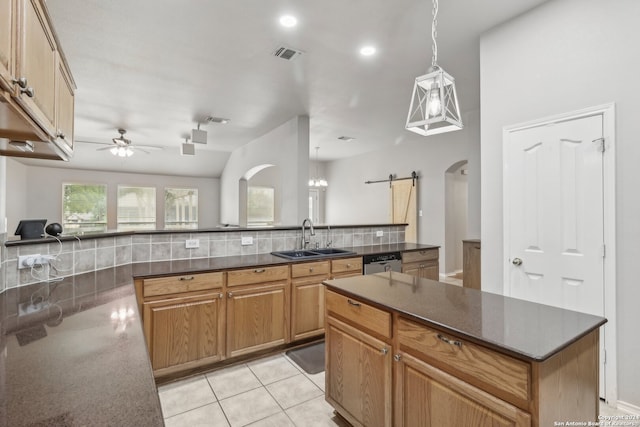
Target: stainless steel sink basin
(313,254)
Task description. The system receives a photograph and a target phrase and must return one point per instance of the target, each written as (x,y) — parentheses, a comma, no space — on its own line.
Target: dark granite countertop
(201,265)
(73,353)
(526,330)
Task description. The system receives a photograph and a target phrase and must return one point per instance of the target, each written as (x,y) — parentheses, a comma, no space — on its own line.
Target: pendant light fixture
(317,181)
(434,104)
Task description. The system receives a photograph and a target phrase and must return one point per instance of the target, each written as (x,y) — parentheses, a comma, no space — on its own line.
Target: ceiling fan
(122,147)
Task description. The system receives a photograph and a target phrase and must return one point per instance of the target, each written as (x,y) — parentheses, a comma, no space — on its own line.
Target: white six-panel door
(554,203)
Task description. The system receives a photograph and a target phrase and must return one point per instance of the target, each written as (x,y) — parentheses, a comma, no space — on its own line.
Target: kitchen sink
(313,254)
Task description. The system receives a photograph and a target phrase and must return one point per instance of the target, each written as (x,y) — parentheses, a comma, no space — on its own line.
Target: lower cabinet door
(359,375)
(185,330)
(307,308)
(257,318)
(429,397)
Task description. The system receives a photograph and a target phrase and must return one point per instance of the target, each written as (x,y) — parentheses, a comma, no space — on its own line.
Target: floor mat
(310,358)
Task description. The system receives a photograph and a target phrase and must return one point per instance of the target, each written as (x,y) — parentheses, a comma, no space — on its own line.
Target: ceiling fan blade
(137,148)
(149,147)
(92,142)
(105,148)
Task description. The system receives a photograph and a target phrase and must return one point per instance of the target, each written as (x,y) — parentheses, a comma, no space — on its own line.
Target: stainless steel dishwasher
(388,261)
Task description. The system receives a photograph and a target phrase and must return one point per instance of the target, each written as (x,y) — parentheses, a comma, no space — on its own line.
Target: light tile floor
(272,391)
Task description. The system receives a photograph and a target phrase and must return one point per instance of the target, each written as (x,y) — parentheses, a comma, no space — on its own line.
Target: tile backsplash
(71,257)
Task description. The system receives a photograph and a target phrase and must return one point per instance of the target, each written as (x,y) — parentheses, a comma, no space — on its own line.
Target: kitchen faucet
(305,241)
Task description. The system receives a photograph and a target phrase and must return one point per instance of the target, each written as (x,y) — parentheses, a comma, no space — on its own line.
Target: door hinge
(601,145)
(603,250)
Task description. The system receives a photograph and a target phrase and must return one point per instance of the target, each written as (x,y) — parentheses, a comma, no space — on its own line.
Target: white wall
(350,201)
(36,192)
(287,147)
(456,209)
(564,56)
(270,177)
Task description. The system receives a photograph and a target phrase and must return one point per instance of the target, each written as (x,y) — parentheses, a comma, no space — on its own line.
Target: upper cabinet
(37,103)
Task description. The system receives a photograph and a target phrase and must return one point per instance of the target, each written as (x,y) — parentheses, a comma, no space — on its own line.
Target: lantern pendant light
(317,181)
(434,104)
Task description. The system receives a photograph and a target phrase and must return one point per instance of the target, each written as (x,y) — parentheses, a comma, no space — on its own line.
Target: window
(136,208)
(260,205)
(180,208)
(84,208)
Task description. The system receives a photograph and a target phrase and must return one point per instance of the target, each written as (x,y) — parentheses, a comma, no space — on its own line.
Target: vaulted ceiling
(156,68)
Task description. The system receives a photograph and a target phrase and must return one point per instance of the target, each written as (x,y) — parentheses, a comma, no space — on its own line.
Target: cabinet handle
(28,91)
(421,266)
(476,247)
(61,134)
(348,265)
(384,351)
(311,270)
(22,82)
(187,278)
(230,294)
(220,295)
(397,357)
(353,303)
(259,270)
(449,341)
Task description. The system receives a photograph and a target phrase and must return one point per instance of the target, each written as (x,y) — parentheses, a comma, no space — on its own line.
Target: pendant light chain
(434,34)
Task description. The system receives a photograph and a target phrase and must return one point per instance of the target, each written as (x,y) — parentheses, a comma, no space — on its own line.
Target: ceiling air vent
(287,53)
(346,138)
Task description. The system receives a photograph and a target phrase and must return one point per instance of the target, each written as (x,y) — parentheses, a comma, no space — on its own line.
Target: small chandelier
(316,181)
(434,104)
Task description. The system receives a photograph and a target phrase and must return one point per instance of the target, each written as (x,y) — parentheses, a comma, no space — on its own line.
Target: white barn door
(554,217)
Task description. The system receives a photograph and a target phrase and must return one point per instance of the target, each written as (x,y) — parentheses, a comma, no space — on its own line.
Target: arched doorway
(456,201)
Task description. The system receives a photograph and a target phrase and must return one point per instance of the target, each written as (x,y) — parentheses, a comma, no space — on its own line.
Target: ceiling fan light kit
(434,105)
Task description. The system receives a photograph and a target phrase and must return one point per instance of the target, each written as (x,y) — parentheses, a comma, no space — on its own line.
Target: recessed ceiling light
(367,50)
(288,21)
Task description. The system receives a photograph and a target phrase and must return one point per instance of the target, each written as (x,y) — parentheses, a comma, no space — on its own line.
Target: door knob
(517,261)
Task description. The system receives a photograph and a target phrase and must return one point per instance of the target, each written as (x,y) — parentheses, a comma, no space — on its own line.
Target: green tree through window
(84,208)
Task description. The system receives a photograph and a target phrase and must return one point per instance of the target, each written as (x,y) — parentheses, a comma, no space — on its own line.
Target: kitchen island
(406,351)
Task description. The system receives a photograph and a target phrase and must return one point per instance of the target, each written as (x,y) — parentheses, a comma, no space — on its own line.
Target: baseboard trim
(628,407)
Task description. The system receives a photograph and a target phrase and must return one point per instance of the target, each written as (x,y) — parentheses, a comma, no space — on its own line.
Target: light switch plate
(379,233)
(192,243)
(247,240)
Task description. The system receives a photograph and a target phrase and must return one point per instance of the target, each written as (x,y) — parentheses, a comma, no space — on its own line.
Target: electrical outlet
(420,212)
(192,243)
(247,240)
(379,233)
(28,261)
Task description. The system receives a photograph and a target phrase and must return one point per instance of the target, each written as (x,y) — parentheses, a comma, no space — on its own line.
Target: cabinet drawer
(184,283)
(310,269)
(492,370)
(417,256)
(346,265)
(361,314)
(251,276)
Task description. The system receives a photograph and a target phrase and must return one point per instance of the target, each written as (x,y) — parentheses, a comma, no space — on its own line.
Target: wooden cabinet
(307,298)
(358,364)
(184,320)
(346,267)
(37,96)
(422,263)
(7,36)
(258,309)
(442,379)
(184,332)
(36,62)
(471,264)
(428,396)
(65,106)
